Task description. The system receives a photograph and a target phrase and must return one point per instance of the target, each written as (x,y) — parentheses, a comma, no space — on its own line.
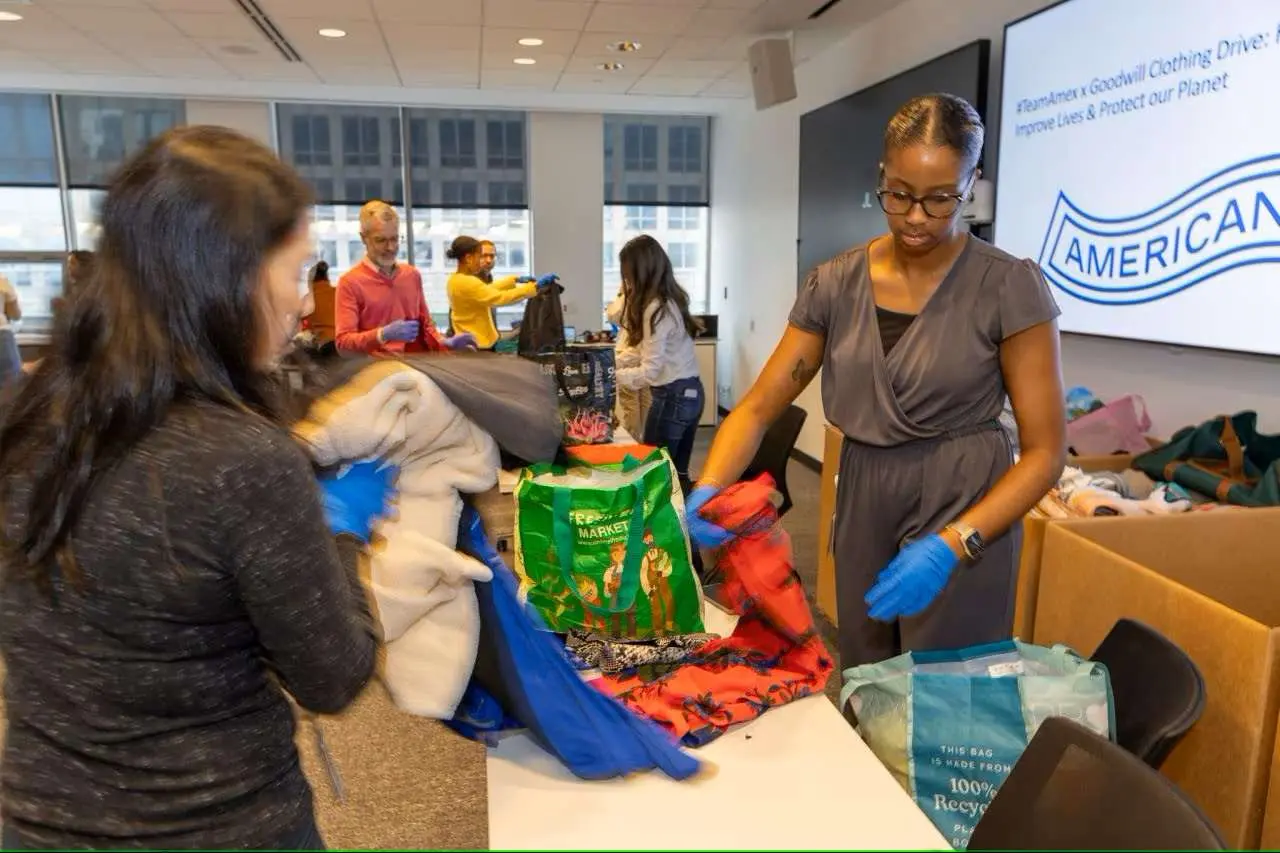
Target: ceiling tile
(465,61)
(204,25)
(178,47)
(728,88)
(539,80)
(594,84)
(207,6)
(695,47)
(722,22)
(112,4)
(687,4)
(103,63)
(362,38)
(638,20)
(233,51)
(535,14)
(98,20)
(430,38)
(439,12)
(749,5)
(554,41)
(25,63)
(271,71)
(652,45)
(197,67)
(440,80)
(632,66)
(53,37)
(695,68)
(359,75)
(683,87)
(336,13)
(505,60)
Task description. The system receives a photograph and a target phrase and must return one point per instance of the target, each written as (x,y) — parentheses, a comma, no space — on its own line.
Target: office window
(311,143)
(368,189)
(642,217)
(687,249)
(458,143)
(640,148)
(610,251)
(361,140)
(27,154)
(506,194)
(459,194)
(352,152)
(510,256)
(505,144)
(684,218)
(424,253)
(684,256)
(98,133)
(684,149)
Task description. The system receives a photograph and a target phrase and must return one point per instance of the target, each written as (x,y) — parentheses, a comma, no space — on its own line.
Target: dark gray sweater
(145,709)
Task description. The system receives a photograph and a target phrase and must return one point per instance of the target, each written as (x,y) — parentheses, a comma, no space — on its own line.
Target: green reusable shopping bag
(605,550)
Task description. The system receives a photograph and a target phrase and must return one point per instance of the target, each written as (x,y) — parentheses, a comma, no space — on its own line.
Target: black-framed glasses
(934,205)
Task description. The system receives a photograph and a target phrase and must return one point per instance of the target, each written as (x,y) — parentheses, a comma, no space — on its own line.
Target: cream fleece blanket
(422,587)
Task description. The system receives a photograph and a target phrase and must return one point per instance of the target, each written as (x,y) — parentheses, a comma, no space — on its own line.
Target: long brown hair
(168,313)
(647,277)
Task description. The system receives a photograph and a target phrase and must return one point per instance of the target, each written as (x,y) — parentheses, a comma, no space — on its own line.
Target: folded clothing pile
(774,655)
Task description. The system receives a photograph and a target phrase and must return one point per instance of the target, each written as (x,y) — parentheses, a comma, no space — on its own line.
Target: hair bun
(451,254)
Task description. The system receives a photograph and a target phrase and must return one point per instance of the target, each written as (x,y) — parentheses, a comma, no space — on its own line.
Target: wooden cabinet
(706,352)
(832,440)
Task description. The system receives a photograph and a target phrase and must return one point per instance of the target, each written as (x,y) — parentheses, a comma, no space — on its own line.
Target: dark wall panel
(840,146)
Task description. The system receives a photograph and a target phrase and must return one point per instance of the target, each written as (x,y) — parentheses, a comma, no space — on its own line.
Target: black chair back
(1158,691)
(1074,790)
(775,452)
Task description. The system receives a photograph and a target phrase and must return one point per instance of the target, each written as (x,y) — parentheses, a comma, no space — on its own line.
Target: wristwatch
(970,540)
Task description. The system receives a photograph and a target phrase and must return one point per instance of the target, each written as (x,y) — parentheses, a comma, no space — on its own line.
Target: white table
(798,777)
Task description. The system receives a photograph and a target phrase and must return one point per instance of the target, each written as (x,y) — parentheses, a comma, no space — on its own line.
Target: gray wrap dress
(922,440)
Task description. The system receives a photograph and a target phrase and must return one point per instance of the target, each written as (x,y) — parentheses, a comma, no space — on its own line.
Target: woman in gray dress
(922,333)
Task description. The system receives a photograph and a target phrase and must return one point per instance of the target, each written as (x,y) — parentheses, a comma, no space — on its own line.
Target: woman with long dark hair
(659,332)
(167,568)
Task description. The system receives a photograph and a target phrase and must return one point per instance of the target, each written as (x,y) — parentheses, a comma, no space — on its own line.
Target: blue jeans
(10,357)
(674,412)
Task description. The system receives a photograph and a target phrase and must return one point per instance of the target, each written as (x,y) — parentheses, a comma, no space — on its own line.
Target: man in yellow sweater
(472,300)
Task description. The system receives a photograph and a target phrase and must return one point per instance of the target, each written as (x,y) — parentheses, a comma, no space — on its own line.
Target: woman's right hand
(703,533)
(354,499)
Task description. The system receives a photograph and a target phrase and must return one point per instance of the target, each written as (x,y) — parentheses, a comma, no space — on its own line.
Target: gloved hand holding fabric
(912,580)
(547,281)
(702,532)
(401,330)
(466,340)
(356,497)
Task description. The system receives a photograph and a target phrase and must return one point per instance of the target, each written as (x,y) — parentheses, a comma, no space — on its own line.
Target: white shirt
(8,296)
(665,355)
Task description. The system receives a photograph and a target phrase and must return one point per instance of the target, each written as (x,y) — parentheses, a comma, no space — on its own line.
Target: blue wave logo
(1227,221)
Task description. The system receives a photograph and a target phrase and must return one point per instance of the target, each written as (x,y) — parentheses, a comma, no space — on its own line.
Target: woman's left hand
(912,580)
(466,340)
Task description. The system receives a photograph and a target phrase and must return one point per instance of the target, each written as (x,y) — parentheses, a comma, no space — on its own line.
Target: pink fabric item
(1120,426)
(368,300)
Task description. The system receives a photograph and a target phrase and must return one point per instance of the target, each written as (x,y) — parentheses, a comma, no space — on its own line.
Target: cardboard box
(832,441)
(1033,527)
(1207,581)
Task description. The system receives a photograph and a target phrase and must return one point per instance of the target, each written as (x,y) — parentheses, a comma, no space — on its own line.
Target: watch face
(973,543)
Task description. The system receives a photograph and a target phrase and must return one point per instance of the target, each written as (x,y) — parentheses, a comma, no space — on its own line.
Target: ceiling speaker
(773,77)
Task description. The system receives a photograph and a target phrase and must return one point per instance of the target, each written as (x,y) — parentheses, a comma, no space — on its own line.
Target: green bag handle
(562,535)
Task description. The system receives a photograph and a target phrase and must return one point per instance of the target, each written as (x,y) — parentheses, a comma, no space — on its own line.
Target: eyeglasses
(383,242)
(934,205)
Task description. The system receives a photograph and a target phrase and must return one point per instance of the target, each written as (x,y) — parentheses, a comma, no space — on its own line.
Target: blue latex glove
(355,498)
(548,280)
(466,340)
(703,533)
(525,279)
(402,330)
(912,580)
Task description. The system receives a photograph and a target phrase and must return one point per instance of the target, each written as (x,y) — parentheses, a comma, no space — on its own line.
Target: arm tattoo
(802,372)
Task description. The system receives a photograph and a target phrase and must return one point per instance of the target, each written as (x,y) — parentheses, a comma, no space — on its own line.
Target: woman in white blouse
(658,352)
(633,404)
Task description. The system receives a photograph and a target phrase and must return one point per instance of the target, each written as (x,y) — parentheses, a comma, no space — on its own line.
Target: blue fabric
(480,716)
(592,734)
(353,499)
(912,580)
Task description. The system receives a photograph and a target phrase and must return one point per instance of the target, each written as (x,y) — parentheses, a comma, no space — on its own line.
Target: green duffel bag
(606,551)
(1226,459)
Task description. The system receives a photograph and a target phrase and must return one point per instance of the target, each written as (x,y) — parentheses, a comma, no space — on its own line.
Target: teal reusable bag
(950,725)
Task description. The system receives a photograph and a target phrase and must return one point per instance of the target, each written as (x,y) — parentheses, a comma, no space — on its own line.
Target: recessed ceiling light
(524,60)
(610,66)
(330,33)
(10,16)
(625,46)
(530,42)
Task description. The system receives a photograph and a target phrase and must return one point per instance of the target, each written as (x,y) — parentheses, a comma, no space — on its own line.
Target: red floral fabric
(774,654)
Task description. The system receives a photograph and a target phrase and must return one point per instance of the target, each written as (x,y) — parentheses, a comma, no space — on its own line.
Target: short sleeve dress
(922,439)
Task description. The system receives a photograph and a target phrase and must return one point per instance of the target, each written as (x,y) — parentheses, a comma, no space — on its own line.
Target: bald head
(380,231)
